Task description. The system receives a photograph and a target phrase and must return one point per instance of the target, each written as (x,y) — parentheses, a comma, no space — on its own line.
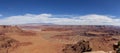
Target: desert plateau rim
(58,39)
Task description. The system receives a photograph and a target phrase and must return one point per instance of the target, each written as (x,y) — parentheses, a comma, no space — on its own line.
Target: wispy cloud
(91,19)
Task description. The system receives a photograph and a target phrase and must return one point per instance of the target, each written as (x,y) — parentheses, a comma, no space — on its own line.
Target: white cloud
(91,19)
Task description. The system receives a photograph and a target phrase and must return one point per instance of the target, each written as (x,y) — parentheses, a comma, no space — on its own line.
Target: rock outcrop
(8,28)
(14,30)
(116,47)
(98,52)
(80,47)
(6,44)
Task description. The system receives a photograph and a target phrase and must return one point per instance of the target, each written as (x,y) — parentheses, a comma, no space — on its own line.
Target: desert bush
(118,51)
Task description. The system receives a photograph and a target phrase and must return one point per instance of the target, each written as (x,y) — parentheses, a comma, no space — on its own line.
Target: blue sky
(74,7)
(59,8)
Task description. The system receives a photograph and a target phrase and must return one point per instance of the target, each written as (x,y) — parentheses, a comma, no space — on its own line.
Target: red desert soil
(30,41)
(44,41)
(39,45)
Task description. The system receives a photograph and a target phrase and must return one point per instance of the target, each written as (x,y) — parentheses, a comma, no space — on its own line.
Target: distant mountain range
(37,24)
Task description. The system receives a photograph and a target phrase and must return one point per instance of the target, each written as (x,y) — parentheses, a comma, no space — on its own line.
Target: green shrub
(118,51)
(118,43)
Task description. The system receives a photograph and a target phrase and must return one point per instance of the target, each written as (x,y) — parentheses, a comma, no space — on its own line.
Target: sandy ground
(38,45)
